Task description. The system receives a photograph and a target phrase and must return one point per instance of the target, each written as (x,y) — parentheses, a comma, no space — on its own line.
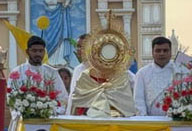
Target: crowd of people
(85,93)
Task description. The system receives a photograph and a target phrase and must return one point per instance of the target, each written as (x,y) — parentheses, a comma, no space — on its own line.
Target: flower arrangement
(177,100)
(33,97)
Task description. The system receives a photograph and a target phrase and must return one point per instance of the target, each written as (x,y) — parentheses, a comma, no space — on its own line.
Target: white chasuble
(99,98)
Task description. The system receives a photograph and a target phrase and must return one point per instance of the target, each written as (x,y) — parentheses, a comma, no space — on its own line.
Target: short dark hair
(83,36)
(160,40)
(35,40)
(65,70)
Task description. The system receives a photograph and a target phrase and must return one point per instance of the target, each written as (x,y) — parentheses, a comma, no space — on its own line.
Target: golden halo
(108,51)
(43,22)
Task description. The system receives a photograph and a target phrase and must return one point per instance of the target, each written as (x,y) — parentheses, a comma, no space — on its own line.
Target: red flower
(58,103)
(41,93)
(33,89)
(9,90)
(48,82)
(14,75)
(53,94)
(29,73)
(184,93)
(188,79)
(165,107)
(168,100)
(190,92)
(176,95)
(23,88)
(170,89)
(177,82)
(157,105)
(37,77)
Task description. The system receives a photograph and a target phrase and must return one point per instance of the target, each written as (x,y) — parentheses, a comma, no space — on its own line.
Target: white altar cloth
(40,124)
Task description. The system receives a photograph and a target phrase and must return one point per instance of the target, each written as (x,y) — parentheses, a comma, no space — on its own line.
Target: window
(147,47)
(151,14)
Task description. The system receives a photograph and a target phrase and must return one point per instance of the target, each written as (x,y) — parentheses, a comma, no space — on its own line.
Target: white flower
(25,103)
(20,108)
(18,102)
(45,105)
(32,98)
(180,109)
(185,107)
(15,93)
(28,96)
(41,112)
(51,104)
(189,107)
(183,114)
(33,105)
(42,99)
(169,112)
(174,111)
(21,92)
(47,98)
(51,111)
(32,110)
(176,104)
(39,105)
(54,103)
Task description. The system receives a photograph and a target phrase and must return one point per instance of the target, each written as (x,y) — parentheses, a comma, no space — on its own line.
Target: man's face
(161,54)
(79,48)
(36,54)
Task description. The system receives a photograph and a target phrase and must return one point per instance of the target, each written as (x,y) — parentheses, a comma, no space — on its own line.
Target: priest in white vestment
(82,67)
(36,51)
(104,89)
(154,78)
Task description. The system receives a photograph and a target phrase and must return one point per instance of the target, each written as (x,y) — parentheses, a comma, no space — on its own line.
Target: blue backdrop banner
(65,22)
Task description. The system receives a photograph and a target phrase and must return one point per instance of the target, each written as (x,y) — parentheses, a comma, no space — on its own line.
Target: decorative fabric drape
(101,127)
